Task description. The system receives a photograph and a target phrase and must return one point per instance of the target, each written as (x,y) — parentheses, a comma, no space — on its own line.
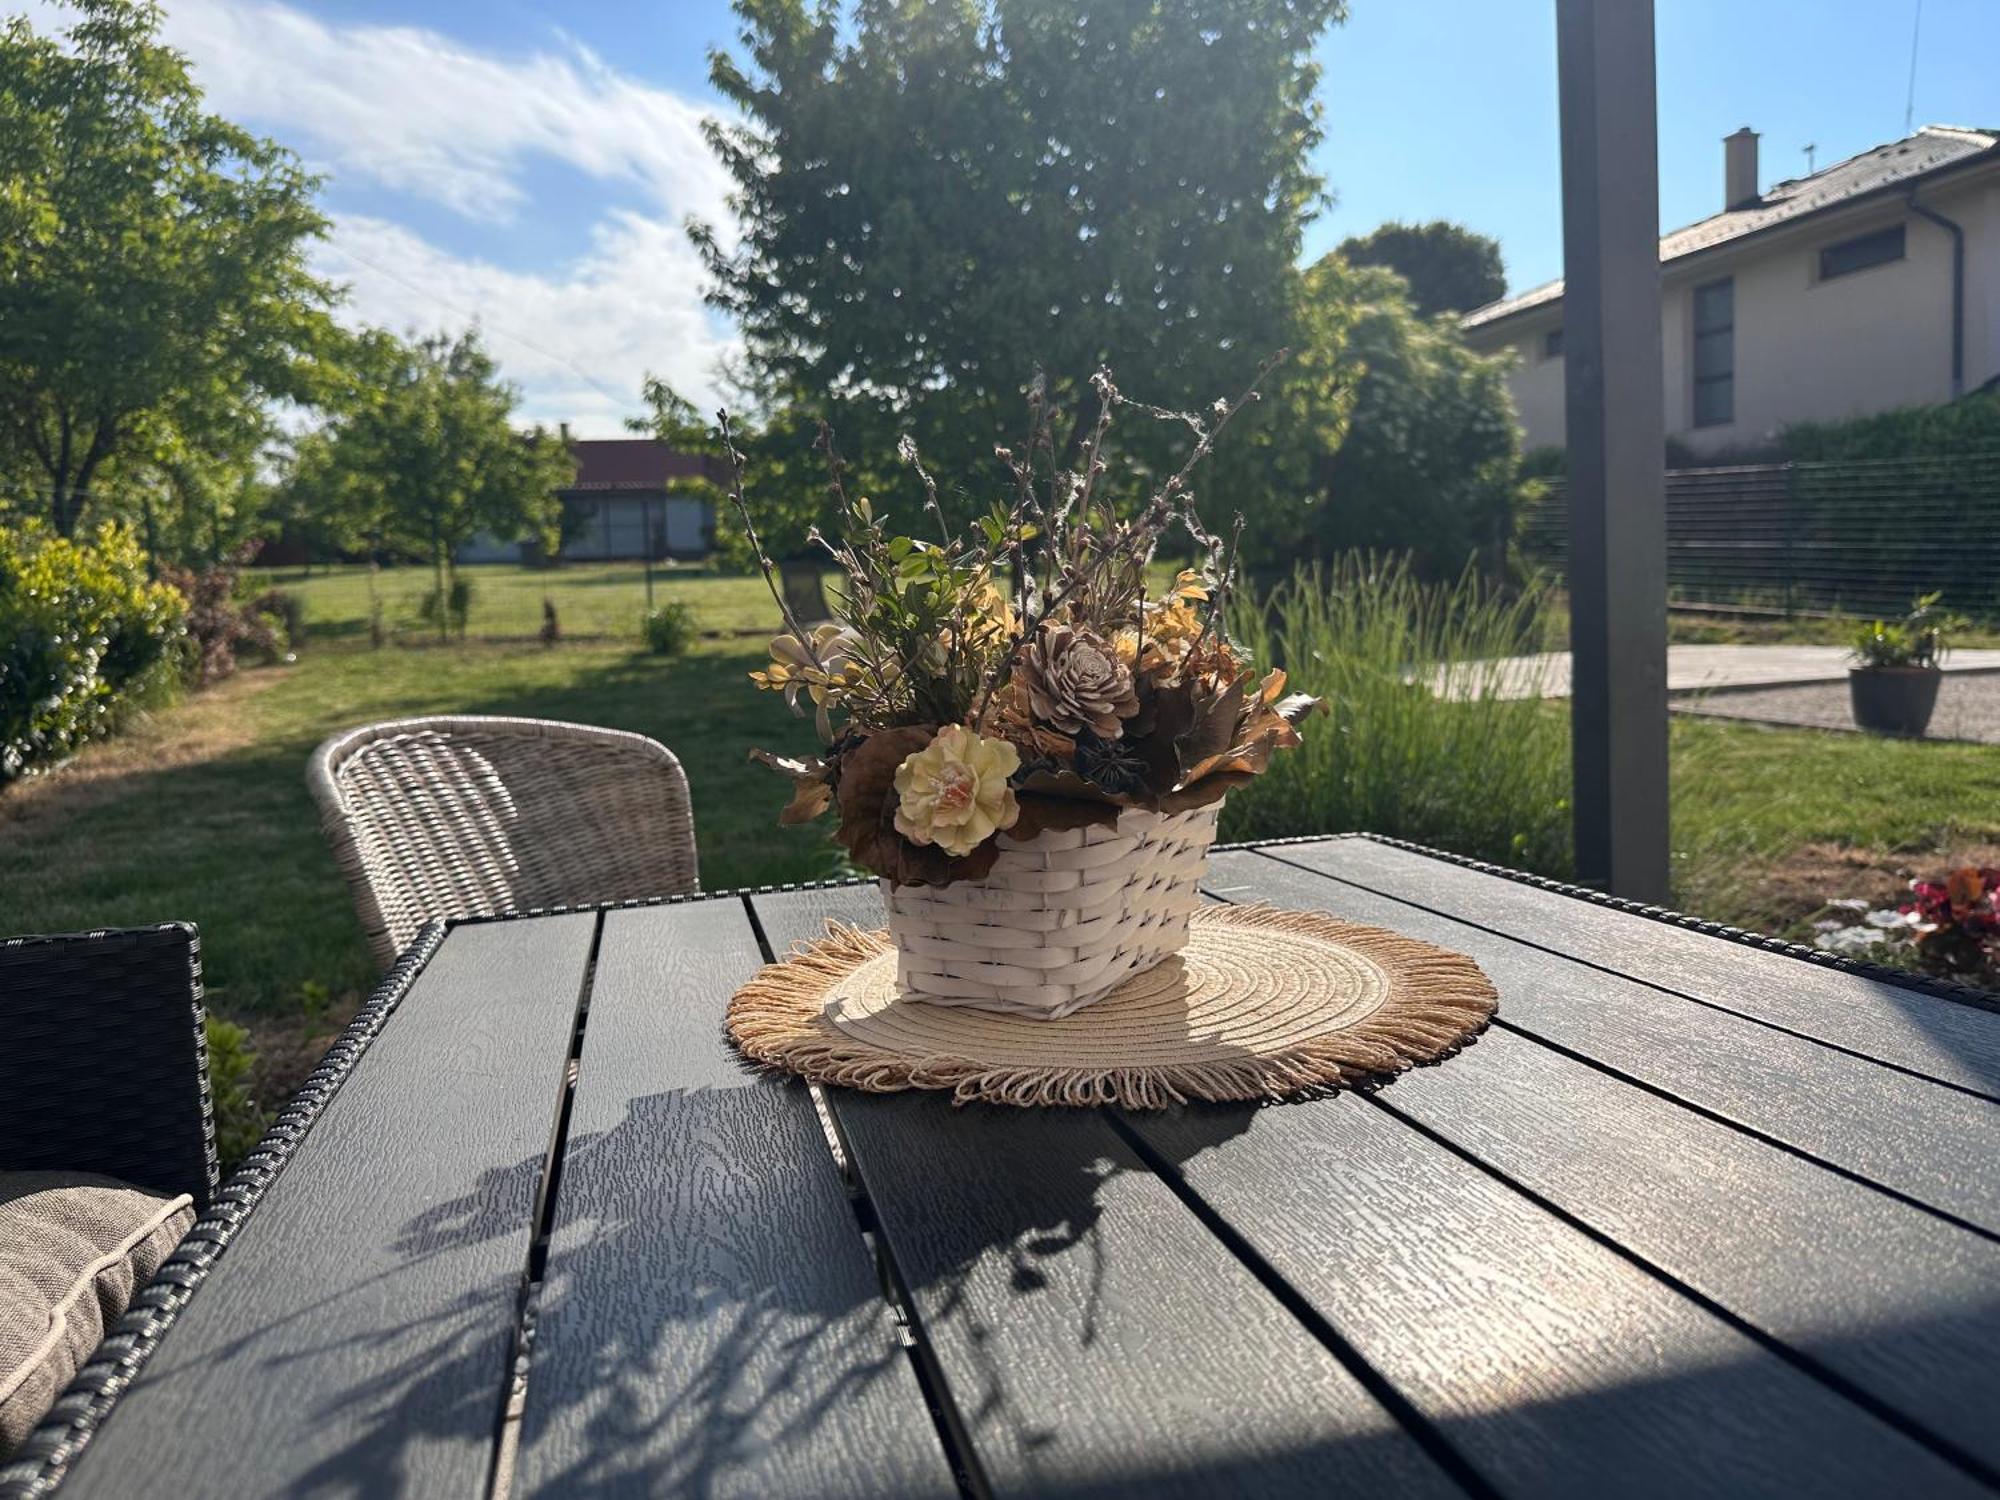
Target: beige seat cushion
(73,1251)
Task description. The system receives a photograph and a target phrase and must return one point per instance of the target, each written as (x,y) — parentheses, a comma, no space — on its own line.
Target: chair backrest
(104,1058)
(436,818)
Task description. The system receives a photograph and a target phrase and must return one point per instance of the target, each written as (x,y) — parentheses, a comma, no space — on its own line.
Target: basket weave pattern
(436,818)
(1060,921)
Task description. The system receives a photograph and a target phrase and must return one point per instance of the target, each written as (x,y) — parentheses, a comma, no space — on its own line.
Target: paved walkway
(1690,669)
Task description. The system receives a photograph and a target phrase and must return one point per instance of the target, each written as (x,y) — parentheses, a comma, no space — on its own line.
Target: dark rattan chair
(104,1060)
(39,1465)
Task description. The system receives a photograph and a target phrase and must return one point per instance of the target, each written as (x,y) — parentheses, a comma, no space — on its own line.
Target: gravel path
(1968,706)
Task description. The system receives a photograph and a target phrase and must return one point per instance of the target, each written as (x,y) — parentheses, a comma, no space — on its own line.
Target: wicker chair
(437,818)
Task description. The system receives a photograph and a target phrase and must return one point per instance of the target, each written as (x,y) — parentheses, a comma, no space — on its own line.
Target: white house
(1870,285)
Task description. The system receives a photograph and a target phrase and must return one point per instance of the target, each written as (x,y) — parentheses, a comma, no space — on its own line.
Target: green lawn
(1751,804)
(591,599)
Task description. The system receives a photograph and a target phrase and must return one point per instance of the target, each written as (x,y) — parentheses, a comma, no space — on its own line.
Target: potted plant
(1025,742)
(1893,682)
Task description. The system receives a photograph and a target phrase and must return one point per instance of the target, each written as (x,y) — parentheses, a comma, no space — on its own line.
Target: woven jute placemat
(1261,1004)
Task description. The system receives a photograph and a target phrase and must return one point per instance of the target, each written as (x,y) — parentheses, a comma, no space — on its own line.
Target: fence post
(1791,504)
(1613,387)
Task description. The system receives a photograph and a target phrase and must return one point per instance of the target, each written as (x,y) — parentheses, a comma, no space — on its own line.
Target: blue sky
(530,165)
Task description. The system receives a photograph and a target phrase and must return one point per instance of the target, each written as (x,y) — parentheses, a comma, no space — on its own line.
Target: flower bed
(1948,927)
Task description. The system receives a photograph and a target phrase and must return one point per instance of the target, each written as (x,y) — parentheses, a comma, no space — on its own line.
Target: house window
(1715,353)
(1861,252)
(1552,344)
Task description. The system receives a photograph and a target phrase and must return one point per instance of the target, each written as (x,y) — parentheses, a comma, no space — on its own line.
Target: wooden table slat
(1944,1039)
(711,1322)
(1884,1296)
(1932,1143)
(1096,1337)
(355,1338)
(1556,1366)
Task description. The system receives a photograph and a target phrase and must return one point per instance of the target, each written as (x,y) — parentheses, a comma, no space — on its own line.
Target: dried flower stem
(770,572)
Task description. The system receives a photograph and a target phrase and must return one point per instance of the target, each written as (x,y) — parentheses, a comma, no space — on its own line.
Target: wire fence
(1862,537)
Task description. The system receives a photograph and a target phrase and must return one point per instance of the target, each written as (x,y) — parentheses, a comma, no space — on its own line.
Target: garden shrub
(239,1118)
(1479,773)
(1898,503)
(671,629)
(1955,429)
(84,638)
(287,613)
(217,625)
(1383,432)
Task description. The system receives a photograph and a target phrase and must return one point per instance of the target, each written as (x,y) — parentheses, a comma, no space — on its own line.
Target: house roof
(633,464)
(1898,164)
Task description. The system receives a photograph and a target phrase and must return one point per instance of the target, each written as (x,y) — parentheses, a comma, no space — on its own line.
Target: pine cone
(1074,680)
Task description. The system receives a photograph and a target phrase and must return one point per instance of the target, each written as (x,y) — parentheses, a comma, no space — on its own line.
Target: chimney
(1739,169)
(564,426)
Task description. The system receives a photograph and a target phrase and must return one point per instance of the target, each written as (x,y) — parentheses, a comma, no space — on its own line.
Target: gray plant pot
(1893,700)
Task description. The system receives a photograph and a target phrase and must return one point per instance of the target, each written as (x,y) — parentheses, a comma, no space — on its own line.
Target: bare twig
(1219,605)
(906,450)
(735,461)
(1134,541)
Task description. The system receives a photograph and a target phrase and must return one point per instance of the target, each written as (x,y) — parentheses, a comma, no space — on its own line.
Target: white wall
(1536,383)
(1806,349)
(1981,218)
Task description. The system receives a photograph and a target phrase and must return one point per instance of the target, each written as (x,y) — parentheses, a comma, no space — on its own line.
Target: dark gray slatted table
(1694,1217)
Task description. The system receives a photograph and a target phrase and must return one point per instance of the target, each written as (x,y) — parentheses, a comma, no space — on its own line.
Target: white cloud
(630,306)
(417,111)
(438,119)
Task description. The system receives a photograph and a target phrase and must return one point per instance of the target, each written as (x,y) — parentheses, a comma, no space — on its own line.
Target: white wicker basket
(1062,919)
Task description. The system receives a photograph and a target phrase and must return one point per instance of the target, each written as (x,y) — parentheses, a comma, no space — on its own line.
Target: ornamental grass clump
(1020,678)
(1430,737)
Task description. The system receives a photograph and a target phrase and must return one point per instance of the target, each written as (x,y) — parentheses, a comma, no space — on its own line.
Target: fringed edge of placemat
(1437,1002)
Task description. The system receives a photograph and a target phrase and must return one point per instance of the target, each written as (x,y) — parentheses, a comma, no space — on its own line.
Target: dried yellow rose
(954,791)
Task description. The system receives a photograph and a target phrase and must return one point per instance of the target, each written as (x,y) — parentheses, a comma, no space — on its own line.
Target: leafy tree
(1385,432)
(1430,463)
(154,292)
(785,477)
(936,201)
(1449,268)
(425,457)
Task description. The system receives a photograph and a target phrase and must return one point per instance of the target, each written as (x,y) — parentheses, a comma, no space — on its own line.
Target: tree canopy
(424,457)
(1383,432)
(1449,268)
(155,297)
(936,201)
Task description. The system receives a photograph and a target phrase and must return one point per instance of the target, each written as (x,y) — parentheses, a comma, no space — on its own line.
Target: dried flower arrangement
(1019,680)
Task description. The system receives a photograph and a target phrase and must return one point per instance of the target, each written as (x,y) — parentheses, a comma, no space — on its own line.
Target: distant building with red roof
(632,498)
